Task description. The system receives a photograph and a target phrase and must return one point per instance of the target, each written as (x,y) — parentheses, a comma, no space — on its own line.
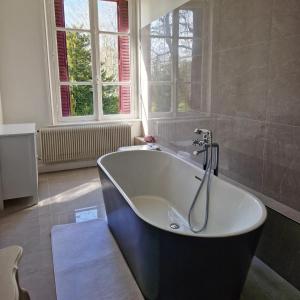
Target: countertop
(17,129)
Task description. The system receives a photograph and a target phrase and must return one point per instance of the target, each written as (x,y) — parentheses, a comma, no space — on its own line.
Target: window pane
(185,48)
(183,97)
(113,16)
(189,97)
(114,58)
(109,57)
(72,13)
(76,100)
(74,56)
(116,99)
(162,26)
(184,69)
(185,57)
(108,16)
(161,59)
(186,24)
(160,98)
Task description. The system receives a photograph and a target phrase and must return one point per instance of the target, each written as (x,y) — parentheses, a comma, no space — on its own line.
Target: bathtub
(145,192)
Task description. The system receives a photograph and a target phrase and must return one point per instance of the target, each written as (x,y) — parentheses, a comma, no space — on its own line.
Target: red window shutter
(124,56)
(59,13)
(65,100)
(62,57)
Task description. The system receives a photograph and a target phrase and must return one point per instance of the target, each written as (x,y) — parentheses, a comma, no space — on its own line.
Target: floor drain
(174,226)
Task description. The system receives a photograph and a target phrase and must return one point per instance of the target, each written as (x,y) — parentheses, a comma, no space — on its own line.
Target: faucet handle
(198,142)
(195,142)
(198,131)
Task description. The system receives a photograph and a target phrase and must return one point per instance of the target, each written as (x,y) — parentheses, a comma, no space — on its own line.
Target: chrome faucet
(205,141)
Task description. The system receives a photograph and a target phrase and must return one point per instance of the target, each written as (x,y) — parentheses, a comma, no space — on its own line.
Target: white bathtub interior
(160,188)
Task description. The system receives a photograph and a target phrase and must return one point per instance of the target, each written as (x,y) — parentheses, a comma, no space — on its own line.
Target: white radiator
(59,144)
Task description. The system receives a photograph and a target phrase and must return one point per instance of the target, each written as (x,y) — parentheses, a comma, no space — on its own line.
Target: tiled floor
(75,196)
(65,197)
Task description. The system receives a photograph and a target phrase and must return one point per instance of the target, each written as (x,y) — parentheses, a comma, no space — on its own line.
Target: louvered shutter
(62,57)
(124,56)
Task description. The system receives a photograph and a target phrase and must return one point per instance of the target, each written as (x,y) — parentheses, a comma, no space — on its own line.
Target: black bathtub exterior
(170,266)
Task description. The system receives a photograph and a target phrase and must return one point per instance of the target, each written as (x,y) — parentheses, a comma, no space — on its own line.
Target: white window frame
(96,82)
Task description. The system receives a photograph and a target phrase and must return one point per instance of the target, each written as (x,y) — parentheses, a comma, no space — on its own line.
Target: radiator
(60,144)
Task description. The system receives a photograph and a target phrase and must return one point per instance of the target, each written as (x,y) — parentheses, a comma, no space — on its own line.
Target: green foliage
(110,97)
(79,56)
(82,100)
(80,69)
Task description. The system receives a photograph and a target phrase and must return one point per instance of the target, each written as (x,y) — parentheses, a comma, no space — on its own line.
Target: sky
(77,14)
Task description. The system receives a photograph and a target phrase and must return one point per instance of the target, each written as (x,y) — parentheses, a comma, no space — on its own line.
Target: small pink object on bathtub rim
(149,139)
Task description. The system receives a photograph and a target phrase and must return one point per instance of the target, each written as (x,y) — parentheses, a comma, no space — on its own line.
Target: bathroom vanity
(18,162)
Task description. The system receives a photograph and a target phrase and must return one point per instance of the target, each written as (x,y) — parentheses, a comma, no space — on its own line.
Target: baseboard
(55,167)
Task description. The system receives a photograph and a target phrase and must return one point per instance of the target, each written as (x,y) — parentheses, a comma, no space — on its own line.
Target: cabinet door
(18,166)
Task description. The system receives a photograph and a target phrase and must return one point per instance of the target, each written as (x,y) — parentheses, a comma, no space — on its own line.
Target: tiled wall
(256,94)
(247,89)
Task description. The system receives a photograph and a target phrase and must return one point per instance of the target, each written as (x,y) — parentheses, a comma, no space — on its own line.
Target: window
(92,59)
(172,53)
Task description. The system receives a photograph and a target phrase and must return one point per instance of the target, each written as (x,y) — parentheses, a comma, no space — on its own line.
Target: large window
(92,59)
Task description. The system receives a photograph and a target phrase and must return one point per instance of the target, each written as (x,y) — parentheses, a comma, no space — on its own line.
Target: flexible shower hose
(207,173)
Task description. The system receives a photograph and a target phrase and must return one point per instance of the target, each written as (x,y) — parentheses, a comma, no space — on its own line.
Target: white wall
(24,81)
(153,9)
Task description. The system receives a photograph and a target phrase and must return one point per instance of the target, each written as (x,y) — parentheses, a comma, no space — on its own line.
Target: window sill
(78,123)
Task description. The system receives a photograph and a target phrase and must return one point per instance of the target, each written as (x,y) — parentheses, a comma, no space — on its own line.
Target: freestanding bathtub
(147,191)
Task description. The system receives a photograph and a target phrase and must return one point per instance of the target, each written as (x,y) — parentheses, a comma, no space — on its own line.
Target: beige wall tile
(285,18)
(241,22)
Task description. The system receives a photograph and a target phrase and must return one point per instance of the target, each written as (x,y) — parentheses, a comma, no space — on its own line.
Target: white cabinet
(18,162)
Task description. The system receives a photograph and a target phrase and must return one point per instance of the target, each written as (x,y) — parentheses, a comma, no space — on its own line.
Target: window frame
(96,82)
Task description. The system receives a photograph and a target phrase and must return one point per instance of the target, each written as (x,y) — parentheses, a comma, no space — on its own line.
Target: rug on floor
(88,264)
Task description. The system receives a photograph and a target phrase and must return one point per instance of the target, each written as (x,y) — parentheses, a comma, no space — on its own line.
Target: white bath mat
(88,264)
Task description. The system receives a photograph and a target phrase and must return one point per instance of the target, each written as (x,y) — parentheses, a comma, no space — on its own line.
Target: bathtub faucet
(205,141)
(205,137)
(205,134)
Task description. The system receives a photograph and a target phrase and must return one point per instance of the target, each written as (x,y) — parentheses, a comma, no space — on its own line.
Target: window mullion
(75,83)
(133,38)
(96,58)
(115,33)
(174,60)
(66,29)
(118,83)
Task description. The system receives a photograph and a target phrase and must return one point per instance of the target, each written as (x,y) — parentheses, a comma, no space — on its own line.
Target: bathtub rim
(256,225)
